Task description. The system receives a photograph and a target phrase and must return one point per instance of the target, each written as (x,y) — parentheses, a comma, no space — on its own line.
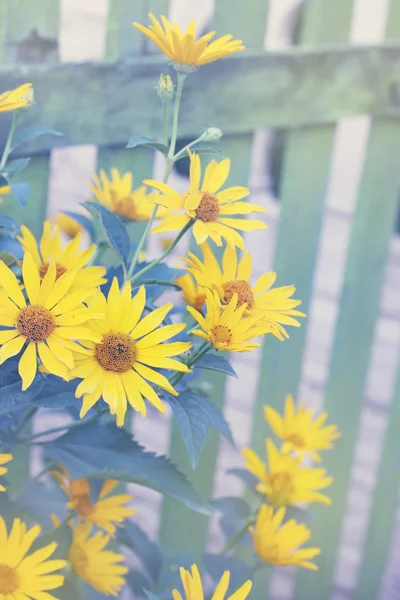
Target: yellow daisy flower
(107,513)
(284,481)
(47,323)
(209,210)
(193,294)
(19,98)
(117,365)
(68,225)
(26,576)
(117,195)
(193,587)
(300,431)
(275,305)
(225,327)
(93,563)
(4,459)
(279,544)
(183,48)
(65,258)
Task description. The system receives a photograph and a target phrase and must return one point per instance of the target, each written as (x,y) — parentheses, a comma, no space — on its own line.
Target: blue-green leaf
(15,166)
(151,596)
(7,258)
(142,140)
(114,229)
(234,512)
(8,224)
(204,148)
(248,478)
(216,362)
(26,134)
(216,564)
(149,553)
(12,397)
(82,220)
(20,191)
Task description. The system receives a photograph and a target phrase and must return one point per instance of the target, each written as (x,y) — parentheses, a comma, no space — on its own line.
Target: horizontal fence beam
(103,103)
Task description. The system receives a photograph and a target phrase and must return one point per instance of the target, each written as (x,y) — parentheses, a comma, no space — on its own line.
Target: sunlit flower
(193,587)
(68,225)
(225,326)
(279,544)
(193,294)
(4,459)
(283,480)
(117,195)
(68,257)
(94,563)
(183,48)
(21,97)
(46,324)
(209,210)
(117,366)
(300,431)
(273,305)
(106,512)
(26,576)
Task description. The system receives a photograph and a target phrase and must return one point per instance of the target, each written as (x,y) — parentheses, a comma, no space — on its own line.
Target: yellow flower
(299,431)
(107,513)
(183,48)
(47,323)
(193,587)
(19,98)
(4,190)
(274,306)
(284,481)
(117,195)
(208,209)
(193,294)
(68,225)
(93,563)
(117,365)
(4,459)
(22,576)
(279,544)
(65,258)
(225,327)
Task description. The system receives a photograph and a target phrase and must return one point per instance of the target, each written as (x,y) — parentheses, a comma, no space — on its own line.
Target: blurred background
(331,193)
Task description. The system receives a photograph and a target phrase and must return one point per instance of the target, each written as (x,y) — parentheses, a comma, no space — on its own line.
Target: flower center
(221,337)
(242,289)
(35,322)
(282,488)
(78,557)
(296,440)
(80,497)
(60,270)
(198,302)
(124,207)
(116,352)
(208,209)
(9,580)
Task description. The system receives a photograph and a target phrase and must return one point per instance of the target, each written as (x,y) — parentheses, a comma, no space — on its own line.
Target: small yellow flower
(299,430)
(193,587)
(68,225)
(21,97)
(279,544)
(284,481)
(209,210)
(4,191)
(69,257)
(193,294)
(92,562)
(225,327)
(4,459)
(117,366)
(106,513)
(273,305)
(117,195)
(22,575)
(47,324)
(183,48)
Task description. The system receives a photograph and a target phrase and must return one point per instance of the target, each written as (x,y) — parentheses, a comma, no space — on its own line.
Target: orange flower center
(221,337)
(80,497)
(208,209)
(296,440)
(242,289)
(60,270)
(124,207)
(9,580)
(198,302)
(116,352)
(282,488)
(35,322)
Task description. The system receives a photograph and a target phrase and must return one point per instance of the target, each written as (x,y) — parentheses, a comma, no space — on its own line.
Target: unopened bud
(165,88)
(212,134)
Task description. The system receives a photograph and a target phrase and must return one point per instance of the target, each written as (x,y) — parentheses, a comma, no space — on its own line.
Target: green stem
(23,489)
(26,417)
(232,542)
(7,147)
(175,116)
(65,427)
(160,282)
(165,102)
(181,153)
(204,348)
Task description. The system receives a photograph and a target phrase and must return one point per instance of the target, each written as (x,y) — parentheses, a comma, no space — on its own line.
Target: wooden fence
(306,90)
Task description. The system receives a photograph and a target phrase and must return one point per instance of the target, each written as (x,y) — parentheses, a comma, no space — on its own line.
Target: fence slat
(180,527)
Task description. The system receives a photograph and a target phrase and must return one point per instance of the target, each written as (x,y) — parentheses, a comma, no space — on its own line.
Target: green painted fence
(306,90)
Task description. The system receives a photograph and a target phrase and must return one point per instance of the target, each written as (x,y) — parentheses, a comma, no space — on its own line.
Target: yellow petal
(27,365)
(31,278)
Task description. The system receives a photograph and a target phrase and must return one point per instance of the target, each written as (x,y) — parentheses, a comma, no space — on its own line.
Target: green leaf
(15,166)
(204,148)
(150,555)
(20,191)
(8,224)
(114,229)
(82,220)
(103,452)
(141,140)
(216,362)
(215,565)
(26,134)
(8,258)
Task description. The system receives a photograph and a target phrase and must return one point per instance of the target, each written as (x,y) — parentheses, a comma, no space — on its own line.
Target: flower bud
(212,134)
(165,88)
